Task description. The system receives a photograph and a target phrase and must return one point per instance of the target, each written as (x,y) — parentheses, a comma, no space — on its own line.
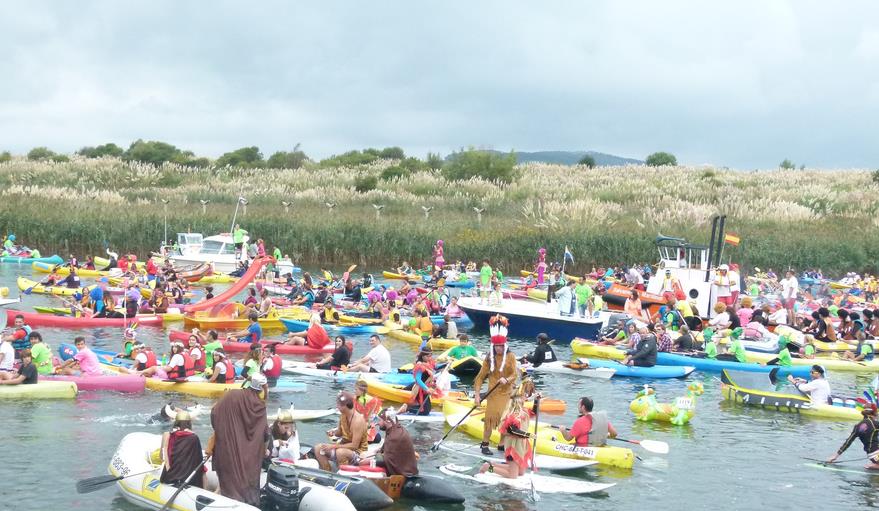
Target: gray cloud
(744,84)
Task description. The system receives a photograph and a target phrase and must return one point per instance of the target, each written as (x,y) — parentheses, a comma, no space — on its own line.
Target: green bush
(660,159)
(287,160)
(487,165)
(244,157)
(151,151)
(40,153)
(365,183)
(110,149)
(5,156)
(587,160)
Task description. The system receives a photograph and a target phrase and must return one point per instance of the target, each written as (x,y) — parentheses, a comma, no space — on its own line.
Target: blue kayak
(657,371)
(716,366)
(295,325)
(55,259)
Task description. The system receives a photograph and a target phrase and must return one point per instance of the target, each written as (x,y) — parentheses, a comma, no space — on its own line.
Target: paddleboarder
(501,369)
(867,431)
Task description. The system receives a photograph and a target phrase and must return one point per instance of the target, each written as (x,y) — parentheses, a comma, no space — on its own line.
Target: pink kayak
(119,383)
(242,347)
(36,319)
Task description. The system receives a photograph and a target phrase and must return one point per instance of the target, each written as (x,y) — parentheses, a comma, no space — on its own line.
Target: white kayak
(541,460)
(306,415)
(541,483)
(561,367)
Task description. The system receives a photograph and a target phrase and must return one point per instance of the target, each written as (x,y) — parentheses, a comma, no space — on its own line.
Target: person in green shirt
(485,281)
(710,346)
(583,292)
(809,350)
(462,350)
(736,348)
(597,300)
(210,343)
(276,253)
(783,358)
(238,235)
(41,354)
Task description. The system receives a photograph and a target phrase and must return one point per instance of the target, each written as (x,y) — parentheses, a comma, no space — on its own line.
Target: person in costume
(541,265)
(398,456)
(501,369)
(181,453)
(517,444)
(438,259)
(867,431)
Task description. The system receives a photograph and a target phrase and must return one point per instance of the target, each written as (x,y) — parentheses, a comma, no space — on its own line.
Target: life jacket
(275,371)
(201,363)
(187,370)
(330,315)
(151,361)
(24,342)
(229,377)
(598,434)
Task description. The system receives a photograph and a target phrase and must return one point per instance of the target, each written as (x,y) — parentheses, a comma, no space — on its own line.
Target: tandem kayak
(550,441)
(200,387)
(35,319)
(243,347)
(757,390)
(55,259)
(40,390)
(657,371)
(128,383)
(295,325)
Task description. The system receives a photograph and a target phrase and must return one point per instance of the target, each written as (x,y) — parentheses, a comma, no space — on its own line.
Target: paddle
(185,483)
(825,462)
(773,378)
(654,446)
(436,445)
(100,482)
(534,495)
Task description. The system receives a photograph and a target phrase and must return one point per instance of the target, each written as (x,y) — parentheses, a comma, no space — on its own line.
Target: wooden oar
(534,495)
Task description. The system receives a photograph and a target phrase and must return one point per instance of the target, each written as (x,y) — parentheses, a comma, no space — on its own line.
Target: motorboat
(219,250)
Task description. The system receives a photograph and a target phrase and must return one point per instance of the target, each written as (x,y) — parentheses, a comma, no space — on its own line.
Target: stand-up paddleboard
(541,461)
(541,483)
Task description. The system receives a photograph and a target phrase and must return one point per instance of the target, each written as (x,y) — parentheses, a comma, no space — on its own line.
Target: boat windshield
(217,247)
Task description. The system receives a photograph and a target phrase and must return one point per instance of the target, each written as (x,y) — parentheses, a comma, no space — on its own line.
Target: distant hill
(571,157)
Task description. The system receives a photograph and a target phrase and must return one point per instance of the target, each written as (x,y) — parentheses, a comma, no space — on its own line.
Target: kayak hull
(35,319)
(656,372)
(127,383)
(398,394)
(415,339)
(55,259)
(243,347)
(40,390)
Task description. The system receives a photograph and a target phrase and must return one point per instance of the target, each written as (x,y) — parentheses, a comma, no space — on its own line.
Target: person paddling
(818,388)
(501,369)
(867,431)
(181,453)
(542,353)
(591,428)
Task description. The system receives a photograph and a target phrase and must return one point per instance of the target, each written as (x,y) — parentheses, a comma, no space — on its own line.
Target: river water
(728,457)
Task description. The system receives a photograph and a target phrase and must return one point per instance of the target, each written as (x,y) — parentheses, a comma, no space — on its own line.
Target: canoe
(830,364)
(303,369)
(398,394)
(657,371)
(297,325)
(243,347)
(134,456)
(412,338)
(223,317)
(40,390)
(549,441)
(55,259)
(128,383)
(756,390)
(562,367)
(528,482)
(35,319)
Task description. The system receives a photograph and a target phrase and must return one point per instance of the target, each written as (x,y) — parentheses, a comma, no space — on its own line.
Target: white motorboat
(193,248)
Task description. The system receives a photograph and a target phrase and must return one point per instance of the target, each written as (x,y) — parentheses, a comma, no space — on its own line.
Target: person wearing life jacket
(252,360)
(368,406)
(20,336)
(197,353)
(72,280)
(224,370)
(424,326)
(863,352)
(826,332)
(143,358)
(315,336)
(591,429)
(181,453)
(329,314)
(181,366)
(151,269)
(271,363)
(423,387)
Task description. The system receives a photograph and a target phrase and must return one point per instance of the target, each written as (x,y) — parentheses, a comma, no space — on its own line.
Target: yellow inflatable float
(647,408)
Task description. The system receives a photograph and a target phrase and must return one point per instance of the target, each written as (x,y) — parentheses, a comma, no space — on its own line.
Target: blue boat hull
(295,325)
(716,366)
(530,326)
(55,259)
(657,371)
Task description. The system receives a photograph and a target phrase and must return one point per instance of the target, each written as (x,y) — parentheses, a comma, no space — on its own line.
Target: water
(729,457)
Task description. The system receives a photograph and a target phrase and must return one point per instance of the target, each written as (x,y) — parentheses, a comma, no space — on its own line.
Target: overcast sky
(745,85)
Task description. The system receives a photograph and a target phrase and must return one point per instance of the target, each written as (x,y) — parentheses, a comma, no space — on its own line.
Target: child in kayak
(517,441)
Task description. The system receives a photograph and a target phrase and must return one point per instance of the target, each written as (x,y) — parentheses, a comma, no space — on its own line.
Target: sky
(742,84)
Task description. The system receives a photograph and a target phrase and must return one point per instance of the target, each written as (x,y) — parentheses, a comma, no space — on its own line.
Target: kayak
(167,317)
(756,390)
(206,321)
(135,456)
(295,325)
(413,338)
(590,349)
(542,461)
(41,267)
(527,482)
(243,347)
(128,383)
(306,415)
(304,369)
(32,286)
(657,371)
(463,366)
(40,390)
(574,369)
(830,364)
(715,366)
(200,387)
(35,319)
(55,259)
(836,468)
(411,277)
(398,394)
(549,442)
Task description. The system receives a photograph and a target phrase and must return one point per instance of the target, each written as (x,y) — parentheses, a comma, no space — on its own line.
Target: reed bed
(606,215)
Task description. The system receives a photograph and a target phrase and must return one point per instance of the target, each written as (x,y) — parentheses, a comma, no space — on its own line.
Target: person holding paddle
(867,431)
(591,428)
(501,369)
(516,441)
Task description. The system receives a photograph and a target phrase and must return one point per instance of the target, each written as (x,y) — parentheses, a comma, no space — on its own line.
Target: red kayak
(242,347)
(36,319)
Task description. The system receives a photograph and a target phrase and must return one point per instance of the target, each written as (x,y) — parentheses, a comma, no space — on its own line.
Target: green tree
(392,153)
(60,158)
(406,167)
(287,160)
(5,156)
(587,160)
(434,161)
(110,149)
(488,165)
(244,157)
(661,158)
(40,153)
(365,183)
(152,151)
(787,165)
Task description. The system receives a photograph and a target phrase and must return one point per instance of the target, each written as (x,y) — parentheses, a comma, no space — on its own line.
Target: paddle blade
(95,483)
(654,446)
(454,419)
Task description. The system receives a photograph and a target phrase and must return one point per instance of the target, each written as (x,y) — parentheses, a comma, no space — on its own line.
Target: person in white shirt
(7,356)
(722,285)
(378,360)
(636,279)
(734,283)
(778,317)
(818,388)
(789,289)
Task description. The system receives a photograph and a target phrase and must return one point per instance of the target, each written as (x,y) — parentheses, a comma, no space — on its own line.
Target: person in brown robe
(181,453)
(398,451)
(239,441)
(501,369)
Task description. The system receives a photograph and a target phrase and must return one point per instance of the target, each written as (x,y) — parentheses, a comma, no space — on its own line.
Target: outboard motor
(281,492)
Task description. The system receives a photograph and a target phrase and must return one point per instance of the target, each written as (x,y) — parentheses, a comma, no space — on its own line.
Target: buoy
(4,291)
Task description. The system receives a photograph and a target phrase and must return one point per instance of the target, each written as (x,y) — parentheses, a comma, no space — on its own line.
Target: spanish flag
(732,239)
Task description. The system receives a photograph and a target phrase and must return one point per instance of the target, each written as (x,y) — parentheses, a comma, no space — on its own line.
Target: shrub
(660,159)
(365,183)
(487,165)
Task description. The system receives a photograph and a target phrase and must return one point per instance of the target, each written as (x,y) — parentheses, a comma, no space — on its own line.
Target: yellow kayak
(39,267)
(550,441)
(32,286)
(829,363)
(462,366)
(205,320)
(399,394)
(413,338)
(216,278)
(588,349)
(39,390)
(193,388)
(537,294)
(411,277)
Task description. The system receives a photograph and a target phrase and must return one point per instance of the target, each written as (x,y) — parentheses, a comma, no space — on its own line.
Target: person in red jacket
(271,364)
